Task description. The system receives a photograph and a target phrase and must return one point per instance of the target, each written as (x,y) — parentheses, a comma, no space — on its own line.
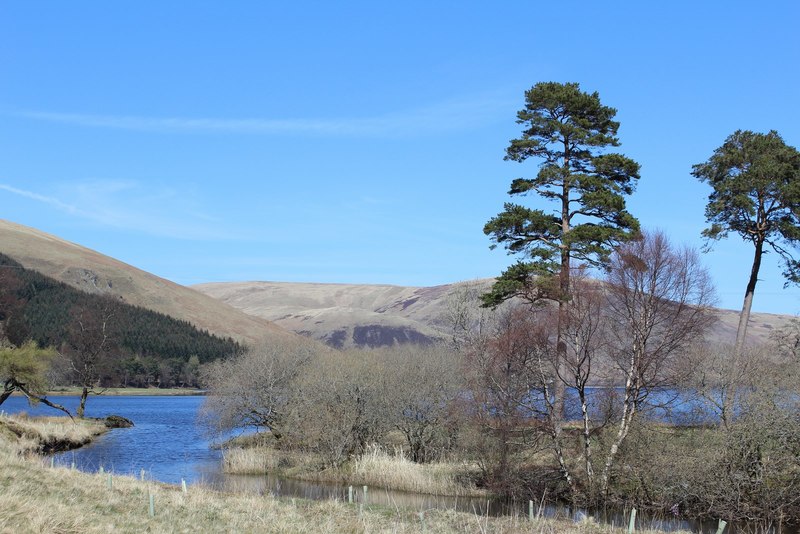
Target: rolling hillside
(93,272)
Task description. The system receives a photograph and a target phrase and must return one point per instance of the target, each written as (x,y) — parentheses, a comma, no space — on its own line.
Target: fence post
(152,506)
(350,495)
(530,510)
(721,526)
(110,483)
(632,523)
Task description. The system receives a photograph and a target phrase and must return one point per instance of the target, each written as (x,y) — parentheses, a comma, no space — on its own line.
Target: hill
(129,345)
(95,273)
(344,315)
(35,306)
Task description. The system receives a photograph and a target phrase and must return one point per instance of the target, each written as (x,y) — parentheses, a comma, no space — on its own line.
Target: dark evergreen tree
(755,179)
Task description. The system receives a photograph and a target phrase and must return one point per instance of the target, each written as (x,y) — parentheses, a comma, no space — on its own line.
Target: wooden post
(183,486)
(350,495)
(152,506)
(721,526)
(632,522)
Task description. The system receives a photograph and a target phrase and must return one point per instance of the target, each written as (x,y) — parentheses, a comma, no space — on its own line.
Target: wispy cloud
(56,203)
(455,114)
(126,205)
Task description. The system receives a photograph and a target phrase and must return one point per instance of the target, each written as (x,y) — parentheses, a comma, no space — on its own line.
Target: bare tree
(510,378)
(469,321)
(341,406)
(719,372)
(423,384)
(255,388)
(91,342)
(659,303)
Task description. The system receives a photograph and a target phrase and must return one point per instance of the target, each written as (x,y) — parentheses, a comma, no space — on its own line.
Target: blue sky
(364,142)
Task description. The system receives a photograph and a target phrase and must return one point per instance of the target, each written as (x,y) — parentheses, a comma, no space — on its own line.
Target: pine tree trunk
(744,317)
(728,403)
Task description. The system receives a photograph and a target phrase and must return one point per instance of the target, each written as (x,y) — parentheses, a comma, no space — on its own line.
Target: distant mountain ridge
(352,315)
(342,315)
(93,272)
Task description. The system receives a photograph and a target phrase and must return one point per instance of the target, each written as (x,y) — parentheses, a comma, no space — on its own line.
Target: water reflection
(280,487)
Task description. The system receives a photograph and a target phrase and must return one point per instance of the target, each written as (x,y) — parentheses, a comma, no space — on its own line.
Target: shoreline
(129,392)
(48,435)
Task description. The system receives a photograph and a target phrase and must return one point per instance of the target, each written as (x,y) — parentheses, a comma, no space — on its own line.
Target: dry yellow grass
(376,468)
(44,434)
(37,498)
(254,461)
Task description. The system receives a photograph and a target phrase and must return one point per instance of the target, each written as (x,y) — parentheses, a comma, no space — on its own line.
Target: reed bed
(375,468)
(378,468)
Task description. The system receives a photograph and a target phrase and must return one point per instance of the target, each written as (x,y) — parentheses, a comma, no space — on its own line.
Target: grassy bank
(24,435)
(37,498)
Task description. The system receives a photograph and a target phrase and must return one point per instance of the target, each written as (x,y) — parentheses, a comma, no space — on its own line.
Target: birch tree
(659,303)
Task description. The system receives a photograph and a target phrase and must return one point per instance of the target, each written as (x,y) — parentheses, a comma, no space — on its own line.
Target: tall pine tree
(568,132)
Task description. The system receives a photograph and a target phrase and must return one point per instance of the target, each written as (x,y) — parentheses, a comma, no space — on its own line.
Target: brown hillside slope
(368,315)
(93,272)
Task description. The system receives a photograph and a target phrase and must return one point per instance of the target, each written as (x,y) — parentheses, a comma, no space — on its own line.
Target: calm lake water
(166,441)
